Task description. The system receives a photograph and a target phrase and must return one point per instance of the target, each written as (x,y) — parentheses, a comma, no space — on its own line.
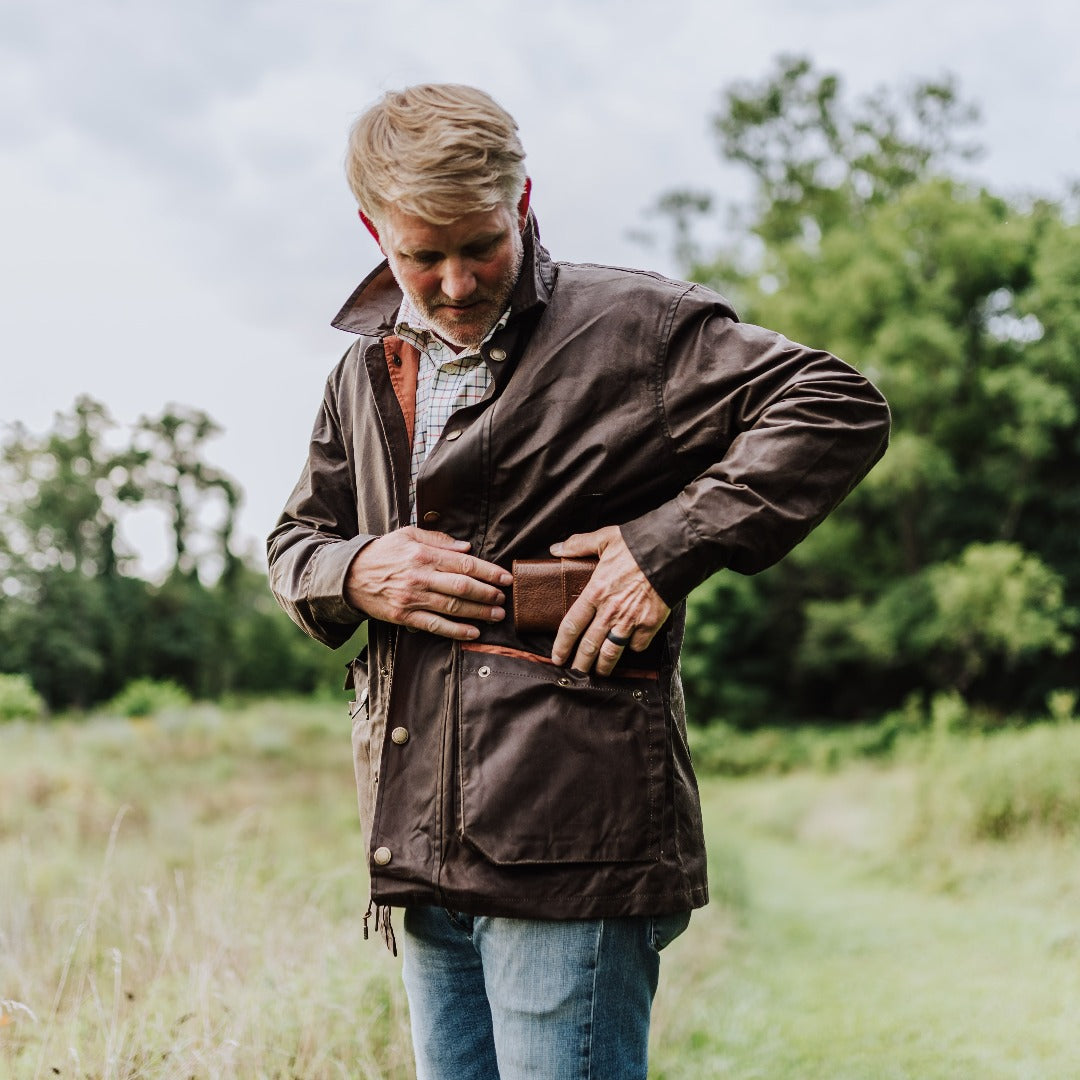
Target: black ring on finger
(618,639)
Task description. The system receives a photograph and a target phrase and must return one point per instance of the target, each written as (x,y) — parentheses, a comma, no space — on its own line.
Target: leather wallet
(544,589)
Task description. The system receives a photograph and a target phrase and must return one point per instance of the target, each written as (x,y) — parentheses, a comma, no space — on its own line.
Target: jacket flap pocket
(554,767)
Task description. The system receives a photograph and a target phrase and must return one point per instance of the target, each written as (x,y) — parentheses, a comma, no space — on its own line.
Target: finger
(574,623)
(644,635)
(588,650)
(435,539)
(457,608)
(611,651)
(590,543)
(434,623)
(471,567)
(442,583)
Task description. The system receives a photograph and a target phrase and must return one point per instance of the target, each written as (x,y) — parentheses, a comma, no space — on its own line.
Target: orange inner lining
(534,658)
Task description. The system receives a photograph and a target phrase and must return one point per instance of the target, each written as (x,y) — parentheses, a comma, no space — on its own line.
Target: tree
(964,307)
(176,474)
(74,617)
(64,492)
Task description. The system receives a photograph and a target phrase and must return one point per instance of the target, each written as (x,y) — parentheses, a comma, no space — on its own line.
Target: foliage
(954,565)
(76,619)
(148,697)
(18,699)
(1009,785)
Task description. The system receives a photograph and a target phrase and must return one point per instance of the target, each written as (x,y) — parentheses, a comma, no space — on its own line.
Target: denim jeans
(505,999)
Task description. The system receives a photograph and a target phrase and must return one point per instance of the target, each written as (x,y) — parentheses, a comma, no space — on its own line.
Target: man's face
(458,276)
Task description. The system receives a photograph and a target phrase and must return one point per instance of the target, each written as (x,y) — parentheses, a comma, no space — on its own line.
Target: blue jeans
(505,999)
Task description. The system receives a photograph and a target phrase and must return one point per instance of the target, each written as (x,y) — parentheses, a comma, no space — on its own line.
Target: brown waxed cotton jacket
(491,781)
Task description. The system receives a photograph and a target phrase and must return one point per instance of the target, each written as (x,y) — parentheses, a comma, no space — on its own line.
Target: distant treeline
(951,574)
(74,616)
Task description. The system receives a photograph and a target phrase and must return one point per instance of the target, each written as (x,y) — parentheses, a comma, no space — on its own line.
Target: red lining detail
(403,376)
(534,658)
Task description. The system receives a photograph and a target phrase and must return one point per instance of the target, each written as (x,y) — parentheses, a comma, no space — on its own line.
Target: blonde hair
(438,150)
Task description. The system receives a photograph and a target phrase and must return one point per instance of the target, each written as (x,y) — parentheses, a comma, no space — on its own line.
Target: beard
(465,323)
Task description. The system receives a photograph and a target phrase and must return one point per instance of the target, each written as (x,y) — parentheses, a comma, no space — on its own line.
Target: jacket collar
(373,306)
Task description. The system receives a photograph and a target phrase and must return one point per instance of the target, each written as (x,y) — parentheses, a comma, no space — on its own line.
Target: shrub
(19,700)
(145,697)
(1004,785)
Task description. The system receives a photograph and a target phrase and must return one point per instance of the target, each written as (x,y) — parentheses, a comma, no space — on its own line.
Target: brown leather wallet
(544,589)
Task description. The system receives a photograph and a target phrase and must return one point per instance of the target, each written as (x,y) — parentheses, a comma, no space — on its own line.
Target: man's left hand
(618,603)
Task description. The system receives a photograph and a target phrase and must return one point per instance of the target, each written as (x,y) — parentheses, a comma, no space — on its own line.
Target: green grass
(846,952)
(183,897)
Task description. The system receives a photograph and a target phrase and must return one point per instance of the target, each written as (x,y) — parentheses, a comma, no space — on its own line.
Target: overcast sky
(176,228)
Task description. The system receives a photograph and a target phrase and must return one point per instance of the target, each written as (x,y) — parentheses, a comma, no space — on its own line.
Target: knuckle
(453,605)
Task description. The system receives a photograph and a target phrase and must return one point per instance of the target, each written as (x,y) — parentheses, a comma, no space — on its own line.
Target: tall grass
(185,898)
(182,896)
(1004,786)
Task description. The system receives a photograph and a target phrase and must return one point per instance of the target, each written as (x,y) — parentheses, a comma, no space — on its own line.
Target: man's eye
(481,251)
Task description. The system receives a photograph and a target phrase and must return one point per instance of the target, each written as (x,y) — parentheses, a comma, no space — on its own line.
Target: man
(527,795)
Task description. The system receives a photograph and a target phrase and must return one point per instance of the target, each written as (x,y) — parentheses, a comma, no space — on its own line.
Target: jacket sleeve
(317,536)
(774,435)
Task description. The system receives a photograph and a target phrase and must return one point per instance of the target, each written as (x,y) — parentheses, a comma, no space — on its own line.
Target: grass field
(182,897)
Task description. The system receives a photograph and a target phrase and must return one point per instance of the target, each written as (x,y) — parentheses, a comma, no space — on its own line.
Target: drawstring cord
(382,922)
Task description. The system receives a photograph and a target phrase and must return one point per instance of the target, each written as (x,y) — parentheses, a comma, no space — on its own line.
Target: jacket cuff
(324,583)
(670,553)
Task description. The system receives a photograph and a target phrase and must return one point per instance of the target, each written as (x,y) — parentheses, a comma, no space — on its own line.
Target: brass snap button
(382,856)
(484,672)
(497,354)
(452,435)
(432,517)
(399,736)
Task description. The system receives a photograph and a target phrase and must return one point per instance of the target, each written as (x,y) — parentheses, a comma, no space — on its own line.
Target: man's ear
(370,226)
(523,203)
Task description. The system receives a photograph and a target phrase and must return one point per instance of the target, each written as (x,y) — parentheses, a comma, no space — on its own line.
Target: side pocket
(557,768)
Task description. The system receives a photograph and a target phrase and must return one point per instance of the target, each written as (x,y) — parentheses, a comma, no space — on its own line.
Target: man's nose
(459,282)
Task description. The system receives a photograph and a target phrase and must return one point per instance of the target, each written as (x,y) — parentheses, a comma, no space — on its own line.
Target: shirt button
(432,517)
(382,856)
(452,435)
(399,736)
(497,354)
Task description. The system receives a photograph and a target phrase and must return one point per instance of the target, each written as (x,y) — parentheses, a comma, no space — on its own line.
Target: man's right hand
(426,581)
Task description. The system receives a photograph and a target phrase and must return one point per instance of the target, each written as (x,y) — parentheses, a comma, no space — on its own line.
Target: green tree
(176,474)
(963,307)
(74,617)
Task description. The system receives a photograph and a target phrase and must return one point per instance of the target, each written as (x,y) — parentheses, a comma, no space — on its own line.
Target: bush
(145,697)
(19,700)
(1004,785)
(723,750)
